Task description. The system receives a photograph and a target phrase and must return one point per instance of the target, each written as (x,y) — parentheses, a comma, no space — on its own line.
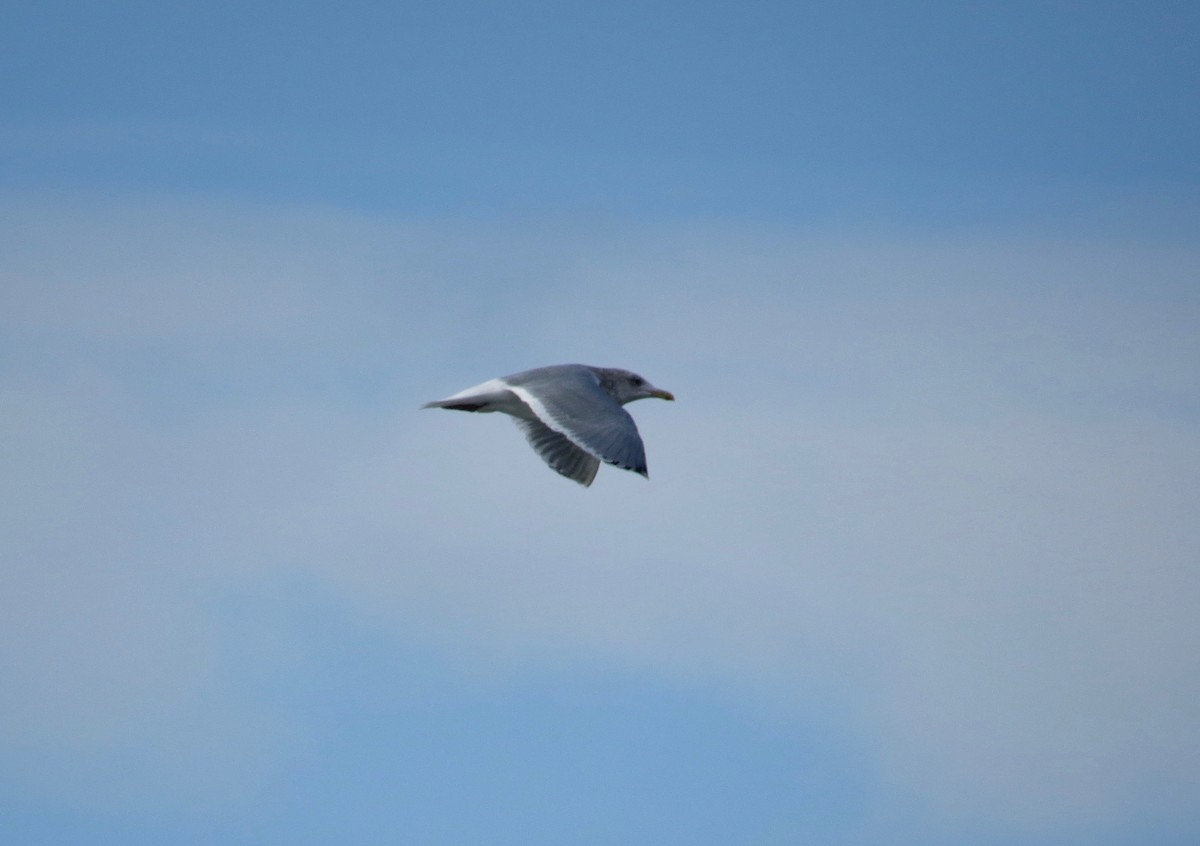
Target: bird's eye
(637,381)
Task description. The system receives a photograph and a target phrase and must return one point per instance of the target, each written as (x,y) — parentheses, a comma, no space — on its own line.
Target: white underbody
(498,395)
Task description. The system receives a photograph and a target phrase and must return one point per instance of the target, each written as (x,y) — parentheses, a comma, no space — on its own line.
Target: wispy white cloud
(944,484)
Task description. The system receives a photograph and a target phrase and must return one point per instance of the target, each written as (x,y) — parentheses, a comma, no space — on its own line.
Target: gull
(570,413)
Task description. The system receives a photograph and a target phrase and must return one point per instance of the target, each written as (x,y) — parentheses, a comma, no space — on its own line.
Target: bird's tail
(455,405)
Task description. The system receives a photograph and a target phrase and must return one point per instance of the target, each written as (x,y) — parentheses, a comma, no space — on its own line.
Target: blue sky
(918,559)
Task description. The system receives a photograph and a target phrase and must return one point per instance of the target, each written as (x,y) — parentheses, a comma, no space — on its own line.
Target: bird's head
(625,386)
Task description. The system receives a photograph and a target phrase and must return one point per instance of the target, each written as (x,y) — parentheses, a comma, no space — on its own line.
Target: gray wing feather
(558,451)
(580,409)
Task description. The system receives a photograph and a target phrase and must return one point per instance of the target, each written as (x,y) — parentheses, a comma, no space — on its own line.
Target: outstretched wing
(558,451)
(569,401)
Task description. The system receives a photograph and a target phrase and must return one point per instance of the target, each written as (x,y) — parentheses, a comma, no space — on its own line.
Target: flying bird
(570,413)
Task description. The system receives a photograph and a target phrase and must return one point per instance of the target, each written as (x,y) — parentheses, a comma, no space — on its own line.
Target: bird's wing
(569,400)
(558,451)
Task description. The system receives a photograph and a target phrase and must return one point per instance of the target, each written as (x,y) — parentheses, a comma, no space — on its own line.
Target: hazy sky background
(919,558)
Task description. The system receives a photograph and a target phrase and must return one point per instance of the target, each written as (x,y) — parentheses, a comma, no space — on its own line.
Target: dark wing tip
(641,471)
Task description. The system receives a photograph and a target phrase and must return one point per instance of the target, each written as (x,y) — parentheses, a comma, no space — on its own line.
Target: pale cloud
(945,485)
